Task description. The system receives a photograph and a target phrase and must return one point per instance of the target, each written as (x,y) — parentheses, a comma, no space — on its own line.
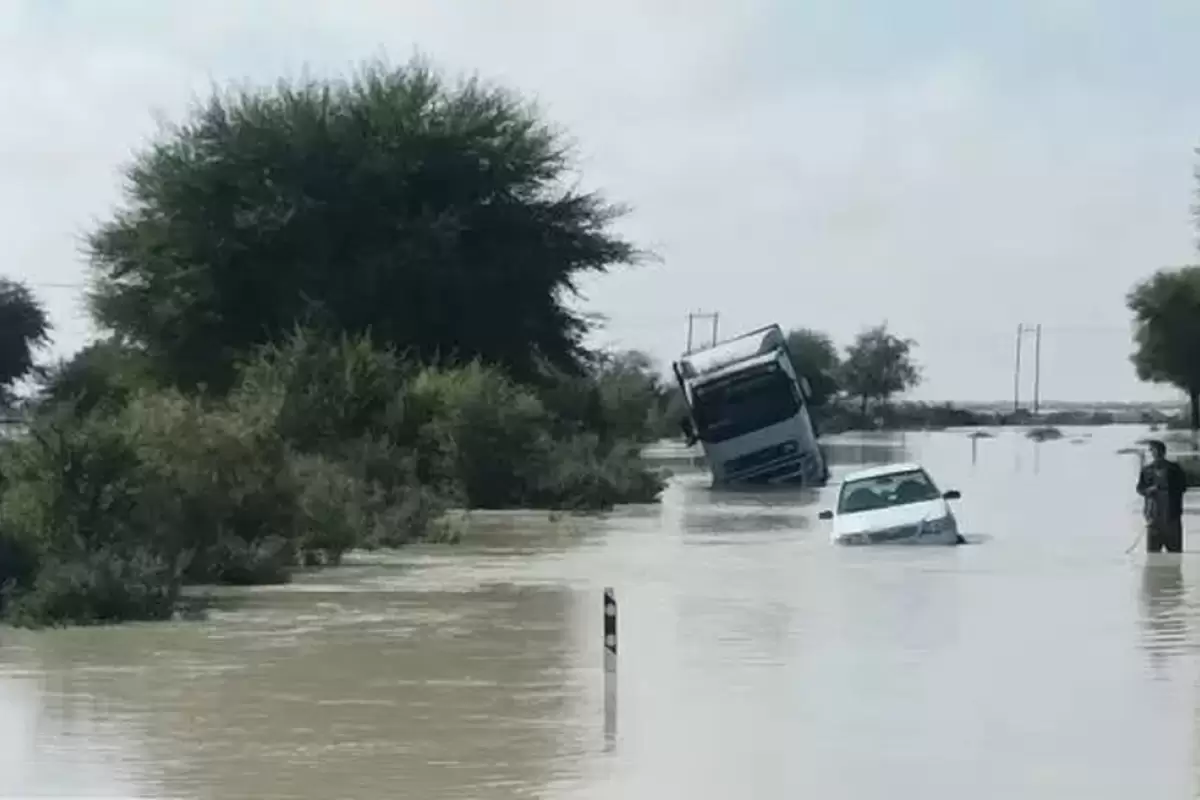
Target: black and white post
(610,630)
(610,667)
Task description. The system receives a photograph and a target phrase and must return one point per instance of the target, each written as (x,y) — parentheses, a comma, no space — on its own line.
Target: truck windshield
(744,403)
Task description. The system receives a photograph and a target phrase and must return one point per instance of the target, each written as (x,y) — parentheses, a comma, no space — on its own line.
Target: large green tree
(878,365)
(438,218)
(24,327)
(815,357)
(1166,317)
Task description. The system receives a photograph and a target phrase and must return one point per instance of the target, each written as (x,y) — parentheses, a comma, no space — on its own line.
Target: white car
(894,504)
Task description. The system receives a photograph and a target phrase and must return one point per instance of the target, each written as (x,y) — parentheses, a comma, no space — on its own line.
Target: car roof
(881,471)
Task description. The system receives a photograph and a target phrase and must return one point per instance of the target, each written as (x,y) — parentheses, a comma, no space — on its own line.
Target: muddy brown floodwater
(756,660)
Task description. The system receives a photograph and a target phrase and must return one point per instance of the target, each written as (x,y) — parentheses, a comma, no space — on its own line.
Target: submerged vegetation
(318,448)
(336,310)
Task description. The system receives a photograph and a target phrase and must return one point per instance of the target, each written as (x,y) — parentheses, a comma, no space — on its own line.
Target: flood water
(756,660)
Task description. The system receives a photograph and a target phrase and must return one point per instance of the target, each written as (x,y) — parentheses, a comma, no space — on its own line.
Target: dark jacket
(1176,485)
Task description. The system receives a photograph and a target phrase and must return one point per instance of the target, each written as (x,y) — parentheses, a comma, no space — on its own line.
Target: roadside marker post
(610,668)
(610,630)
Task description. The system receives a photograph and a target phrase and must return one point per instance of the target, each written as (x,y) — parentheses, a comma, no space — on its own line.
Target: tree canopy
(878,365)
(437,218)
(24,327)
(815,357)
(1166,317)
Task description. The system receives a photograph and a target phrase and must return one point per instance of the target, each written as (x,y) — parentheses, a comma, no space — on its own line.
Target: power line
(52,285)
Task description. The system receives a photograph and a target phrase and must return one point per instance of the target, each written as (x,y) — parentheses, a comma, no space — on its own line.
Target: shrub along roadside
(323,445)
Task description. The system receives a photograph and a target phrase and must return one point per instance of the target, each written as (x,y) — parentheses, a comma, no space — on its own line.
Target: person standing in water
(1162,484)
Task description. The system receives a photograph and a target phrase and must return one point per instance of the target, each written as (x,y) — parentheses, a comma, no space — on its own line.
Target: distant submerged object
(1044,433)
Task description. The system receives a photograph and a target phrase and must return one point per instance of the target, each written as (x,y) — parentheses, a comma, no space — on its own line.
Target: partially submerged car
(893,504)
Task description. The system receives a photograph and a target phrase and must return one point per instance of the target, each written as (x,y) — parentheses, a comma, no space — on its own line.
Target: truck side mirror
(825,515)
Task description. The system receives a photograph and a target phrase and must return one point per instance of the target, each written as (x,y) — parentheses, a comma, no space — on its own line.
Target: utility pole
(714,316)
(1037,368)
(1036,330)
(1017,372)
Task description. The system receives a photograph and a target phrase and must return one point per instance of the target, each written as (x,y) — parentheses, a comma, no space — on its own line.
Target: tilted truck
(748,409)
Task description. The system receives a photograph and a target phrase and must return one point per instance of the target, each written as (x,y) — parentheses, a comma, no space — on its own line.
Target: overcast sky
(952,168)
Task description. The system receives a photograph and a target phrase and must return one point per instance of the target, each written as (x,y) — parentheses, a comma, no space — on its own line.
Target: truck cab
(748,409)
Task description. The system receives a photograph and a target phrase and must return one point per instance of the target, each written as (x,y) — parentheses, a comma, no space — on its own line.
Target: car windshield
(886,491)
(744,403)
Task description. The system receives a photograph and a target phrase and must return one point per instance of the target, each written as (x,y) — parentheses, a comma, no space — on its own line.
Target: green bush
(497,431)
(97,586)
(18,564)
(621,398)
(505,454)
(234,503)
(324,390)
(167,491)
(352,503)
(101,377)
(331,502)
(350,402)
(633,400)
(580,475)
(77,484)
(418,438)
(85,519)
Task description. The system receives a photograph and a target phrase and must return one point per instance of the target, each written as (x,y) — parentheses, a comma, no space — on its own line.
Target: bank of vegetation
(333,311)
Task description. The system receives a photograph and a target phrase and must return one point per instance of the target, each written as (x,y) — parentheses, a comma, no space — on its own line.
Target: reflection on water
(1164,615)
(732,522)
(58,744)
(866,450)
(755,659)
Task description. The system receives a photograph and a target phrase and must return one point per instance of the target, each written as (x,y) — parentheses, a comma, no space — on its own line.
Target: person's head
(1158,450)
